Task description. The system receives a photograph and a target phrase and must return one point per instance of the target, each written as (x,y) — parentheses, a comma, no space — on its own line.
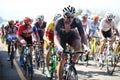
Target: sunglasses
(109,19)
(68,16)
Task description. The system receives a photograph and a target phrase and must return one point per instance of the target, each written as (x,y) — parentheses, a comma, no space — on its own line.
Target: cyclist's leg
(9,43)
(116,48)
(61,62)
(60,66)
(75,42)
(47,59)
(29,41)
(77,47)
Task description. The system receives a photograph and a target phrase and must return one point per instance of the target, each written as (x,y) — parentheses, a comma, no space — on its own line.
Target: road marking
(22,77)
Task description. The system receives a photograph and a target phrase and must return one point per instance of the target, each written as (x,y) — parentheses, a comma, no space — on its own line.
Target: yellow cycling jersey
(49,31)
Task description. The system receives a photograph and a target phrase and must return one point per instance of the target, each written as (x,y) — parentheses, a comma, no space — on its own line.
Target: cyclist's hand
(22,41)
(60,50)
(103,38)
(86,48)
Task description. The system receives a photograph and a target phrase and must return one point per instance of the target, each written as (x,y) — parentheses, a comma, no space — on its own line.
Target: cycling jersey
(104,26)
(94,28)
(18,24)
(76,23)
(27,33)
(11,32)
(86,25)
(23,31)
(49,30)
(70,36)
(40,32)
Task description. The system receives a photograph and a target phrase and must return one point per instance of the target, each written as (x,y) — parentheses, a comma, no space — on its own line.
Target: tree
(79,12)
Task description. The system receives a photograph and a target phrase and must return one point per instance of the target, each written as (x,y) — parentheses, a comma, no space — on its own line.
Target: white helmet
(84,14)
(69,9)
(57,16)
(109,15)
(40,17)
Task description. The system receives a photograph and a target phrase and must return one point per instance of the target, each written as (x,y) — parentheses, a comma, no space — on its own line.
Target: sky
(18,9)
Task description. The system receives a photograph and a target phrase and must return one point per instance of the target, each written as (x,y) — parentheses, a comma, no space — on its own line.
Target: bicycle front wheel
(111,64)
(72,74)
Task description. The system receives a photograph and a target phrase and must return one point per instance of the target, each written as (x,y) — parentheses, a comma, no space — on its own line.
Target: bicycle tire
(111,63)
(12,56)
(70,74)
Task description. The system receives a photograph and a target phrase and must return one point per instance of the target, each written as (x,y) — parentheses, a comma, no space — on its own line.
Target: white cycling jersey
(104,26)
(86,26)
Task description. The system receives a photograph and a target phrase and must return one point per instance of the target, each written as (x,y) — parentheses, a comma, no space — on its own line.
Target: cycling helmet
(57,16)
(27,20)
(95,17)
(109,15)
(21,22)
(40,17)
(84,15)
(69,9)
(11,22)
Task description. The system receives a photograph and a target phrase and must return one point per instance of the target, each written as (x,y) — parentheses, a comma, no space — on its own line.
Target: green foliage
(79,12)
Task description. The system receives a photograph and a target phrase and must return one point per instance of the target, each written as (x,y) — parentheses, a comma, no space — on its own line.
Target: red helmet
(27,20)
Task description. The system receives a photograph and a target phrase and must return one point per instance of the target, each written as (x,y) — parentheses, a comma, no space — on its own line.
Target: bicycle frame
(27,66)
(12,51)
(69,67)
(53,60)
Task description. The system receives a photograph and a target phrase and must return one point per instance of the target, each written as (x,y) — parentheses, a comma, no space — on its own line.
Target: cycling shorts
(69,38)
(28,39)
(107,33)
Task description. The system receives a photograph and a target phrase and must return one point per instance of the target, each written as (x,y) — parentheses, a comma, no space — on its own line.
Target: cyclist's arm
(56,34)
(19,35)
(115,28)
(36,33)
(81,32)
(100,28)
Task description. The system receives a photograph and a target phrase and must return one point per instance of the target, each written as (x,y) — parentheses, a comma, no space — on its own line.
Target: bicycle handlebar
(74,52)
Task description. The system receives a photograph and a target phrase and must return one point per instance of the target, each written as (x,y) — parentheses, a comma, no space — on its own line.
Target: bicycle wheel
(84,58)
(72,74)
(37,60)
(11,59)
(12,56)
(111,63)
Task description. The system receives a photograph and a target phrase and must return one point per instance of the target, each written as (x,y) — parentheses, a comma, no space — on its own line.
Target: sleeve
(35,29)
(80,28)
(101,24)
(114,24)
(57,28)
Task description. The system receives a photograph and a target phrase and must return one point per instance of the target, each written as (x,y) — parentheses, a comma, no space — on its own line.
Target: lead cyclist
(73,38)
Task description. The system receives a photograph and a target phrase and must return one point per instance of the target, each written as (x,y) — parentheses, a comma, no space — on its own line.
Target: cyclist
(48,38)
(107,25)
(72,37)
(11,33)
(25,32)
(94,28)
(40,25)
(86,23)
(3,32)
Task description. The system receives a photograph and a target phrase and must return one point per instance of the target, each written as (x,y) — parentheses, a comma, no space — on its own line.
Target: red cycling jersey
(23,31)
